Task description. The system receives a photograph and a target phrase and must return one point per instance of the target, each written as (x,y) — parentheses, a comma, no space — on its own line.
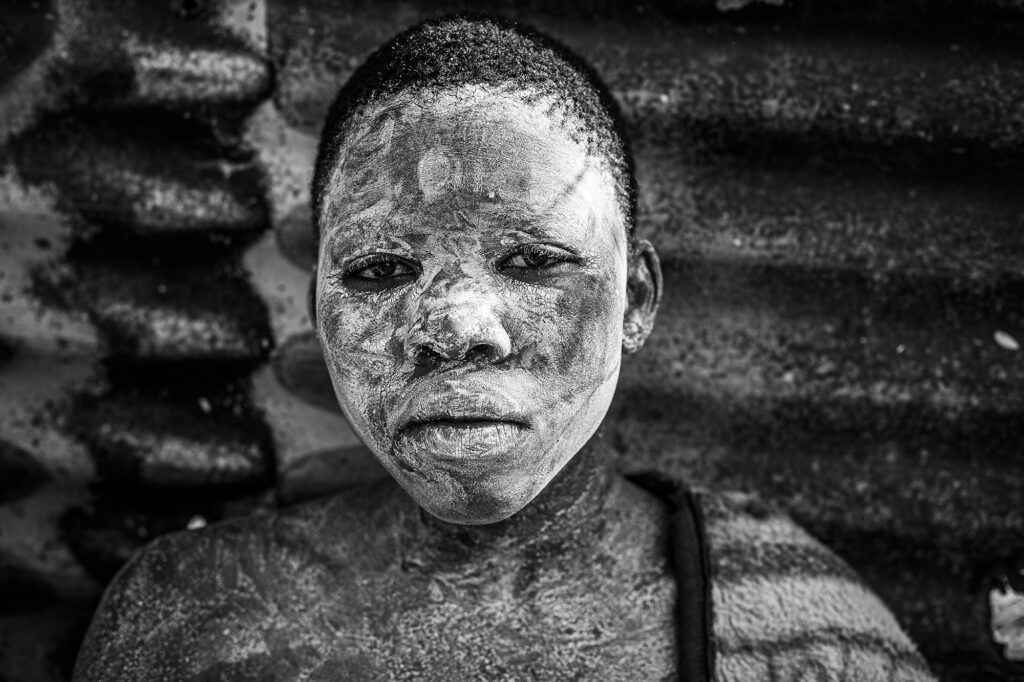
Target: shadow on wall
(835,191)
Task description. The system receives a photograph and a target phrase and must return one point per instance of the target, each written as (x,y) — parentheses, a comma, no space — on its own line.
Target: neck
(569,512)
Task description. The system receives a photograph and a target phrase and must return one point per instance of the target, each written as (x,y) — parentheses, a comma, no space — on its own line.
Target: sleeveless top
(762,601)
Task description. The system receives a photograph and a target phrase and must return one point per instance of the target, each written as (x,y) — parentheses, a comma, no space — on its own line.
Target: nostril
(189,9)
(482,353)
(427,356)
(457,335)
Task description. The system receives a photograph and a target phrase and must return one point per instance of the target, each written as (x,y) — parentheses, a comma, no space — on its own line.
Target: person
(478,280)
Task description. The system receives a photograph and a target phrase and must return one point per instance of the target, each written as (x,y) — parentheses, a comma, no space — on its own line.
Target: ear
(311,299)
(643,295)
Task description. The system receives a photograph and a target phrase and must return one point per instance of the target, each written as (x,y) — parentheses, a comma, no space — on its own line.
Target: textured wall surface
(835,190)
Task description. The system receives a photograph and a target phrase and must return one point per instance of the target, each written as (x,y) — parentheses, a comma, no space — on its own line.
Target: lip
(462,418)
(460,403)
(462,422)
(464,441)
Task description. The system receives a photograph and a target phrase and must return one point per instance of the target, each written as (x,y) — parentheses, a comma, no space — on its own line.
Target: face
(471,295)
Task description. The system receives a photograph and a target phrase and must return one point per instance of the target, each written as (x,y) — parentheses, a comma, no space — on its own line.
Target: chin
(474,507)
(475,493)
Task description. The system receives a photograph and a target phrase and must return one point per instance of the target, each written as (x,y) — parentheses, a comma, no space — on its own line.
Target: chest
(443,626)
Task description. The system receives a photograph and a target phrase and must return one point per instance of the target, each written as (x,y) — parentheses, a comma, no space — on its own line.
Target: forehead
(469,147)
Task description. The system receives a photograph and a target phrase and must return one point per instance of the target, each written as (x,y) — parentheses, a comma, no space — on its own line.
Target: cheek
(358,342)
(575,334)
(350,328)
(592,323)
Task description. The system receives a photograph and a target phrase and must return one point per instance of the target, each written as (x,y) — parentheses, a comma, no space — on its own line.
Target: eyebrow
(338,238)
(361,220)
(399,229)
(530,221)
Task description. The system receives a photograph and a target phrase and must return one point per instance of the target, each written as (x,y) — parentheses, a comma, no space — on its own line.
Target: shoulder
(785,607)
(195,601)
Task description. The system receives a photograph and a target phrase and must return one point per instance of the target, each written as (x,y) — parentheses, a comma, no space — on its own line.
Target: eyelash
(557,255)
(369,261)
(349,276)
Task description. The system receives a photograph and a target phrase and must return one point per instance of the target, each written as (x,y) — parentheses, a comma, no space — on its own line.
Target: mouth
(461,409)
(460,418)
(463,422)
(464,438)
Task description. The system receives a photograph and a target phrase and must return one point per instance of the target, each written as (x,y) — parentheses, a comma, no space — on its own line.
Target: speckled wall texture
(835,189)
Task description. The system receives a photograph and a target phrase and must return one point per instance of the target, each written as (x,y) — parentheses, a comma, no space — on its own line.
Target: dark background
(836,189)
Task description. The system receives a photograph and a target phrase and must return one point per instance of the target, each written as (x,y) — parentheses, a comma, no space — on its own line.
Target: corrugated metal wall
(835,189)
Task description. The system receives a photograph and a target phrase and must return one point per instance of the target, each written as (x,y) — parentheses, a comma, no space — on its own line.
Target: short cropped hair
(470,49)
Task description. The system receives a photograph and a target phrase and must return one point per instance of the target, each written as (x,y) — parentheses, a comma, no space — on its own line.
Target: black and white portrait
(570,341)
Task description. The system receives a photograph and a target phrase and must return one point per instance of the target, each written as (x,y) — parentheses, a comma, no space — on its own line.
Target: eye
(536,257)
(530,260)
(383,270)
(533,261)
(378,272)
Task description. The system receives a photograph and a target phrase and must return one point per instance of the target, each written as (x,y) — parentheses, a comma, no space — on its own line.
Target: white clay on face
(457,185)
(438,174)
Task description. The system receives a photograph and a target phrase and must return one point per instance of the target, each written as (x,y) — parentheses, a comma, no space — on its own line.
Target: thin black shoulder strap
(689,549)
(693,582)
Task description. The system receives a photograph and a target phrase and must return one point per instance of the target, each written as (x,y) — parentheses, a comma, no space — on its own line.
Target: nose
(463,326)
